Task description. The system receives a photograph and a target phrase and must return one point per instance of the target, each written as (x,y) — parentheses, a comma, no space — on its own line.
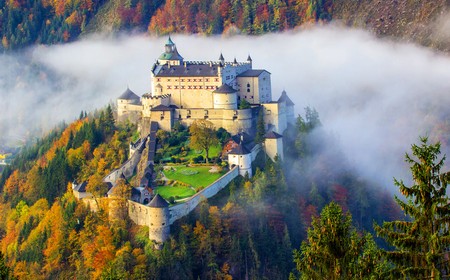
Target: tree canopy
(203,136)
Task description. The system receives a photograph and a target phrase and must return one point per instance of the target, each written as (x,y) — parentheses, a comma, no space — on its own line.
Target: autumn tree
(203,136)
(119,199)
(334,249)
(421,242)
(5,271)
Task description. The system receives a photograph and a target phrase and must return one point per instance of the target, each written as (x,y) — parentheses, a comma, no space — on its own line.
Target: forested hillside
(249,230)
(23,23)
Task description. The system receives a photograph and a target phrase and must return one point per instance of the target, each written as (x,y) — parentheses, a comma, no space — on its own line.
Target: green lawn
(175,191)
(195,176)
(214,151)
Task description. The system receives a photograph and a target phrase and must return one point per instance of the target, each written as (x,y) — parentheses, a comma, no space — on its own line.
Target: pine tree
(260,127)
(421,241)
(334,250)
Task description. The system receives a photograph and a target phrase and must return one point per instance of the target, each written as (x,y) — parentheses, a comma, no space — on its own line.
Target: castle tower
(170,55)
(241,157)
(128,105)
(273,144)
(158,213)
(249,60)
(290,113)
(221,59)
(225,97)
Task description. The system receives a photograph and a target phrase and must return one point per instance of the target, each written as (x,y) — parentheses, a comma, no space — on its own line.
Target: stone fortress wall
(159,219)
(127,169)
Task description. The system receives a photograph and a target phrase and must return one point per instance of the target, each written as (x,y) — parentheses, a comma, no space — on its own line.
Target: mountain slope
(42,21)
(416,21)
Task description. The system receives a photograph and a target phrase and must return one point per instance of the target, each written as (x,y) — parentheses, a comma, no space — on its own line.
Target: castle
(229,94)
(185,91)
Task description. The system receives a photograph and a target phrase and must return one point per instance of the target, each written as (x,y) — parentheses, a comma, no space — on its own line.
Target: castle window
(248,85)
(199,80)
(200,87)
(182,87)
(163,224)
(189,80)
(182,80)
(158,80)
(175,87)
(168,80)
(216,79)
(206,80)
(195,87)
(189,87)
(168,87)
(195,80)
(248,90)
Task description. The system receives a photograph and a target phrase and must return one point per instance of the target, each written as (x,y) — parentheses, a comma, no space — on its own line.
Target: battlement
(156,97)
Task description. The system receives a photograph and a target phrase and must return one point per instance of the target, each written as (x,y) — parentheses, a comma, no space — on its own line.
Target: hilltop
(26,23)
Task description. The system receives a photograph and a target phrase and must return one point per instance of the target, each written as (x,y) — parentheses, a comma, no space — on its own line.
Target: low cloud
(376,96)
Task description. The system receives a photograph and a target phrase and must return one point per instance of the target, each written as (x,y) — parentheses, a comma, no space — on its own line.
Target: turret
(159,216)
(241,157)
(170,55)
(221,59)
(124,101)
(290,114)
(225,97)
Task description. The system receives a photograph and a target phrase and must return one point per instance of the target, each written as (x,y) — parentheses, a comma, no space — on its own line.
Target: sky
(375,96)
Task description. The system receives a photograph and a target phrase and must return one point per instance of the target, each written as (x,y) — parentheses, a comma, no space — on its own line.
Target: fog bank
(376,96)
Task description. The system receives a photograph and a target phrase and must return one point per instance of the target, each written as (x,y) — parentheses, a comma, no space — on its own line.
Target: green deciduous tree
(334,249)
(421,242)
(203,136)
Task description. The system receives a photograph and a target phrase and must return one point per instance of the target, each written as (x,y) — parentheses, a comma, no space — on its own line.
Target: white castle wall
(232,120)
(181,210)
(274,147)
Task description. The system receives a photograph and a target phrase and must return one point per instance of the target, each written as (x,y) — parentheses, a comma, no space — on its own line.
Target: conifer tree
(260,127)
(334,250)
(421,241)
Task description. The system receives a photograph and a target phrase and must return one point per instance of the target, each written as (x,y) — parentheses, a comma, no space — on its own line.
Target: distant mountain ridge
(23,23)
